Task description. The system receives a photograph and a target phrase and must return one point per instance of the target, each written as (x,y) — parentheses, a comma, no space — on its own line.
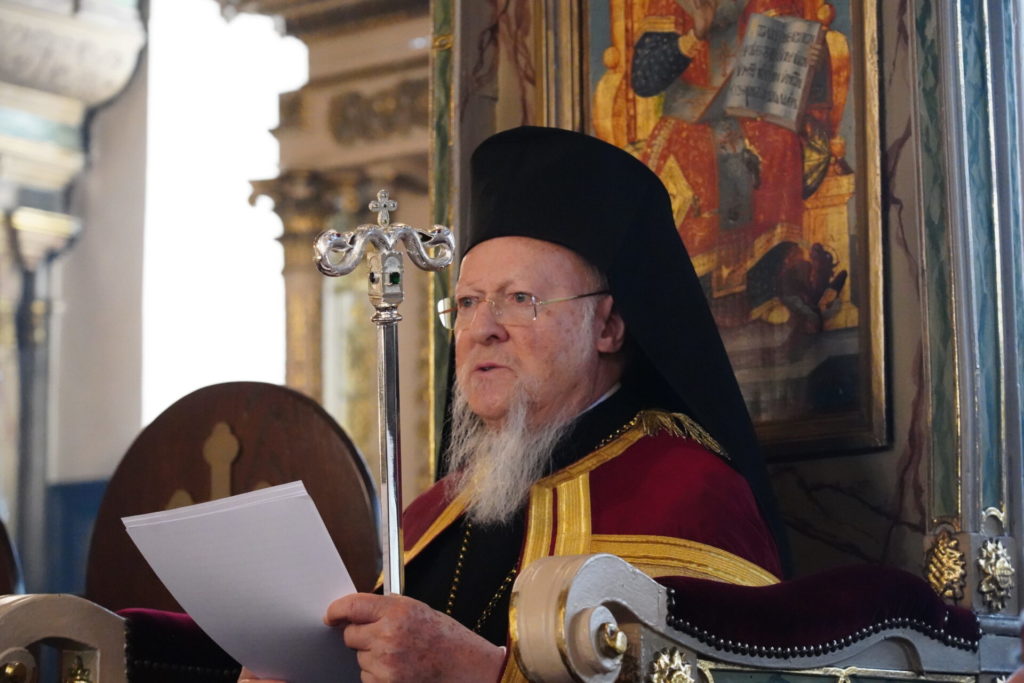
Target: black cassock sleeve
(657,62)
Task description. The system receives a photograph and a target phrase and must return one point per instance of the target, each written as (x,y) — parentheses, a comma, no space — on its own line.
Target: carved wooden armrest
(89,637)
(596,618)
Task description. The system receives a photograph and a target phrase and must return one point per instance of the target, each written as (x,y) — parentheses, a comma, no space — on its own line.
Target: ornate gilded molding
(670,666)
(357,116)
(946,567)
(87,56)
(997,572)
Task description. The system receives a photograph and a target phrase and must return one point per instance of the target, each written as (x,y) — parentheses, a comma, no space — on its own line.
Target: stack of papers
(256,571)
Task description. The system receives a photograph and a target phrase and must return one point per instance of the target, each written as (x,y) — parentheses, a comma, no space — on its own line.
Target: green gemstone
(396,278)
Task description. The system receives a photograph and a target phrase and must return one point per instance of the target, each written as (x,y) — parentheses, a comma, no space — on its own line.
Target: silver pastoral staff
(338,254)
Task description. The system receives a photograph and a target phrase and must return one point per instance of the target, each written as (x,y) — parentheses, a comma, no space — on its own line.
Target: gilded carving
(16,672)
(996,575)
(670,666)
(78,673)
(612,641)
(356,116)
(947,567)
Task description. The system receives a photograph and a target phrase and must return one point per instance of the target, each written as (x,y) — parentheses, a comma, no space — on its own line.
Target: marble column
(58,60)
(304,200)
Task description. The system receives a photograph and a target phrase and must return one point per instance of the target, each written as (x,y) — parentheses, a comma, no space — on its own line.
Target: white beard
(497,466)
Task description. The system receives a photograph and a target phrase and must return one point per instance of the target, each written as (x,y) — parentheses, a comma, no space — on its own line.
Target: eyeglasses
(516,308)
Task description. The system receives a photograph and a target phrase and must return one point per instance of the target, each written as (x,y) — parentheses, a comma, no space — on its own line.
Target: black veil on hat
(599,201)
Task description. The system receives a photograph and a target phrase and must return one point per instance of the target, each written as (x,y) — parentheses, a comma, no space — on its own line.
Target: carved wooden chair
(10,574)
(218,441)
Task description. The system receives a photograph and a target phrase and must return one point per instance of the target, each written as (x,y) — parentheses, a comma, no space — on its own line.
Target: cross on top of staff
(383,205)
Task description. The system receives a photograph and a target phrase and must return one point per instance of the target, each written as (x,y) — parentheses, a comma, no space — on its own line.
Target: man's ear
(612,332)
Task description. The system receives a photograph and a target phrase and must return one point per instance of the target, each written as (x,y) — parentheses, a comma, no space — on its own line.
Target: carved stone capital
(303,199)
(79,54)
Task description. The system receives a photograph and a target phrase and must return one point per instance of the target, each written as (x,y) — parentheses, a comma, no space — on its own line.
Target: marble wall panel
(879,507)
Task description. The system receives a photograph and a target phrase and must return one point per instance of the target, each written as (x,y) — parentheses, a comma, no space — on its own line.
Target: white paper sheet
(256,571)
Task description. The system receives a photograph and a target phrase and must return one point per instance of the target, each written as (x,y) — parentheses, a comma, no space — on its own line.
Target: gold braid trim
(654,422)
(658,24)
(666,556)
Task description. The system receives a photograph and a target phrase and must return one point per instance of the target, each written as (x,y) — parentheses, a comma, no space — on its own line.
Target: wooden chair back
(222,440)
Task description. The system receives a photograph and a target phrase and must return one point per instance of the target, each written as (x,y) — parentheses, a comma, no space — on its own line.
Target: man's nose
(486,325)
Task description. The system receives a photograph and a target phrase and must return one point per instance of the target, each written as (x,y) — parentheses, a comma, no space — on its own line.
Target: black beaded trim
(135,665)
(785,651)
(230,674)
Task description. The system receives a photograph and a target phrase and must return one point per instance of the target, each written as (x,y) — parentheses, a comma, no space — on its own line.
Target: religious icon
(745,110)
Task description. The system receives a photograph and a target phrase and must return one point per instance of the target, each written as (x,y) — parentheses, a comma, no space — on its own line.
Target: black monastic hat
(599,201)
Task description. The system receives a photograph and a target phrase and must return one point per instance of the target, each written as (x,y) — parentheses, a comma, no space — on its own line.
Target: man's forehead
(504,261)
(518,243)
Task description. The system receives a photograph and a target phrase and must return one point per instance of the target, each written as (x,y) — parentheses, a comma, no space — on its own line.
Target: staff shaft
(431,250)
(390,450)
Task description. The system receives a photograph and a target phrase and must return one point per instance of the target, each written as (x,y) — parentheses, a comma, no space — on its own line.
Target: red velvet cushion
(169,647)
(816,614)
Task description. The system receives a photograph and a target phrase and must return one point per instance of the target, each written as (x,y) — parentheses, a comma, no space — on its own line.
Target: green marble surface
(942,359)
(440,181)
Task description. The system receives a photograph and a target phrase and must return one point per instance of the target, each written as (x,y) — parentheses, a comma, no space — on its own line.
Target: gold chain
(618,432)
(494,600)
(453,591)
(457,576)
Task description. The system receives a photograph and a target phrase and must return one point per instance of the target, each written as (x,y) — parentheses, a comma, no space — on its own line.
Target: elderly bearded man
(593,410)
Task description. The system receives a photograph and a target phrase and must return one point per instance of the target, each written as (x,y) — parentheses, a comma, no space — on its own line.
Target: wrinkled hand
(399,639)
